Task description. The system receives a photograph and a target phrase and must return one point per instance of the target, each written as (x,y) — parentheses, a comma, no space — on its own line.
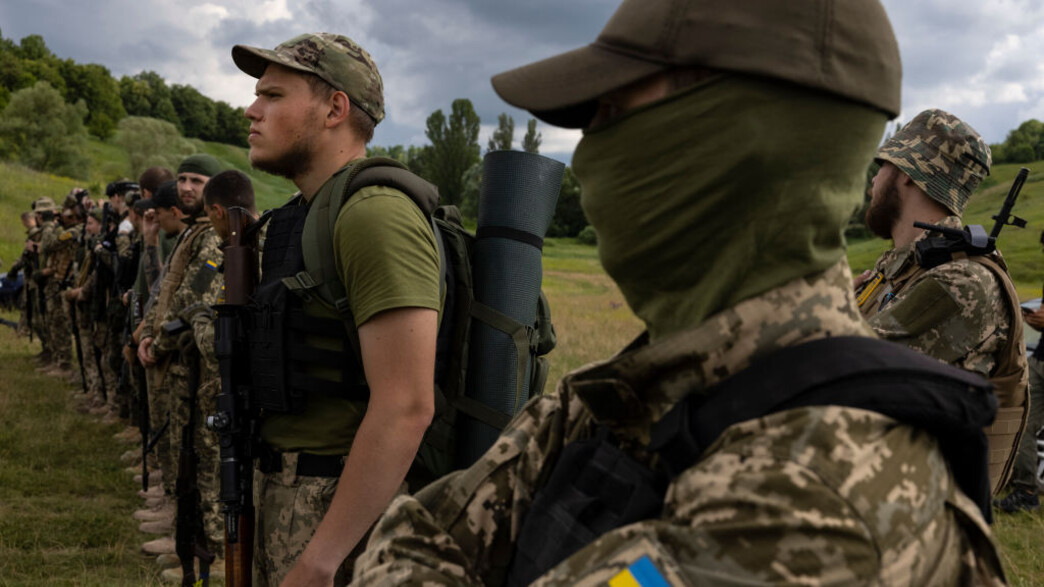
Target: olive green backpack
(321,282)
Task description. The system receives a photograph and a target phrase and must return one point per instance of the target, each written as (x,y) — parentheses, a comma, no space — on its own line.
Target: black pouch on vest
(594,488)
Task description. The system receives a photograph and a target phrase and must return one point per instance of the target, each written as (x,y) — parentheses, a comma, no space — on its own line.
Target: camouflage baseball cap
(942,155)
(44,204)
(845,48)
(336,59)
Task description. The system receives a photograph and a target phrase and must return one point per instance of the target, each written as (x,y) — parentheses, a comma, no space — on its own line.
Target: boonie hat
(942,155)
(44,204)
(845,48)
(336,59)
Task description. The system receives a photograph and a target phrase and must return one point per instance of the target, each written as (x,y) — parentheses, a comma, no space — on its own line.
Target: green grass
(65,500)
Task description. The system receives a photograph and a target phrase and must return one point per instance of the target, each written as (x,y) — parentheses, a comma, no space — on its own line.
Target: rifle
(29,267)
(65,284)
(189,539)
(234,421)
(144,423)
(972,240)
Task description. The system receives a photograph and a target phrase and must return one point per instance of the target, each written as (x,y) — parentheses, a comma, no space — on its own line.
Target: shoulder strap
(856,372)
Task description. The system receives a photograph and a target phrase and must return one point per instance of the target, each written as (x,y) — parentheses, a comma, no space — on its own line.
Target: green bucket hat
(336,59)
(44,204)
(942,155)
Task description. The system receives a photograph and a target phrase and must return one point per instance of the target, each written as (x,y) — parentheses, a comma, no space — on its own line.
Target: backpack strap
(320,281)
(857,372)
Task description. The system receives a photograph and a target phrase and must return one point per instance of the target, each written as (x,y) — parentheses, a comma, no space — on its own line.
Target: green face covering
(721,192)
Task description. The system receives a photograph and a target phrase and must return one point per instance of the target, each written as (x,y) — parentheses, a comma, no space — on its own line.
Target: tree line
(108,100)
(49,106)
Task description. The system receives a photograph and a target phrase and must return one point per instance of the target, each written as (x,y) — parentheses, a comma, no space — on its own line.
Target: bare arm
(398,354)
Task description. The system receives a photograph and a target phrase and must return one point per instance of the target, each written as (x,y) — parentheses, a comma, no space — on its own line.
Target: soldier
(44,211)
(187,286)
(751,436)
(26,264)
(85,297)
(1023,483)
(60,255)
(964,311)
(228,188)
(328,470)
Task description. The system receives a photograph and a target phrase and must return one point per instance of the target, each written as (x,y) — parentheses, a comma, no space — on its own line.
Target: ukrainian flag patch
(643,573)
(212,265)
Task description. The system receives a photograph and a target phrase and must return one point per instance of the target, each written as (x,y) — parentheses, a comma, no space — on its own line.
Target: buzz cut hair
(358,120)
(230,188)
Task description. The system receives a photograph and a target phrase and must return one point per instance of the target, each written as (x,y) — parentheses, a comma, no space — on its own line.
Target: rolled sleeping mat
(517,200)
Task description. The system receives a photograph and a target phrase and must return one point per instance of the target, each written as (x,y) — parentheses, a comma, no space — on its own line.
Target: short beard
(295,161)
(195,210)
(883,216)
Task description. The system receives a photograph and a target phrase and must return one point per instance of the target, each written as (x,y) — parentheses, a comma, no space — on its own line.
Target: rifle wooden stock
(233,421)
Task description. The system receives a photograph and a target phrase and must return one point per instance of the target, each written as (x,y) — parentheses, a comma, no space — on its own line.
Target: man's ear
(337,109)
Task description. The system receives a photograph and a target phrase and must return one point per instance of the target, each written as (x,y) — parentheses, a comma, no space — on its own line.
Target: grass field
(65,501)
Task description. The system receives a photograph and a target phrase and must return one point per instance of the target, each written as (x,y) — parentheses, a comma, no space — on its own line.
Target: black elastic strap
(857,372)
(510,233)
(309,465)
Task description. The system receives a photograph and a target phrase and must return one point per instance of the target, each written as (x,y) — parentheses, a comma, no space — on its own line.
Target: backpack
(439,452)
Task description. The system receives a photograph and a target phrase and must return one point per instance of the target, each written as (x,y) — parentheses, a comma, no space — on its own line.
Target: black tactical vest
(595,486)
(282,337)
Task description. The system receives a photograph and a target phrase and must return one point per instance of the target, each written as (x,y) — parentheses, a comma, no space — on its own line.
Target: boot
(168,561)
(164,545)
(154,491)
(131,457)
(150,515)
(157,526)
(154,478)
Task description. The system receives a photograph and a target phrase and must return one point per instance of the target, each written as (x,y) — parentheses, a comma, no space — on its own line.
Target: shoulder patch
(923,307)
(65,236)
(642,573)
(212,265)
(201,282)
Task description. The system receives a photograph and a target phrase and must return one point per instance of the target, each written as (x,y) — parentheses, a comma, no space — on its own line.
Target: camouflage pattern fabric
(942,155)
(954,312)
(59,249)
(199,286)
(811,496)
(338,60)
(289,509)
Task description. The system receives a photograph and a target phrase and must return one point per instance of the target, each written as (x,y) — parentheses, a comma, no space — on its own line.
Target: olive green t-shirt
(386,252)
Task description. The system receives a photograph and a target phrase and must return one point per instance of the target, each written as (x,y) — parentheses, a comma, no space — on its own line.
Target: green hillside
(19,185)
(1021,247)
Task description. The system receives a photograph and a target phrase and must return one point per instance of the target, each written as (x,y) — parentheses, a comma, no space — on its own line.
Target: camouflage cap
(336,59)
(942,155)
(44,204)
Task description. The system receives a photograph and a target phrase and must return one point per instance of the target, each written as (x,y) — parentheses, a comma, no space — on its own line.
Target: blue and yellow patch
(643,573)
(211,265)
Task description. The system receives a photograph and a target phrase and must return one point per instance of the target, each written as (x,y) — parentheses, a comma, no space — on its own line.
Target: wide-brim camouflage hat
(338,60)
(845,48)
(44,204)
(943,155)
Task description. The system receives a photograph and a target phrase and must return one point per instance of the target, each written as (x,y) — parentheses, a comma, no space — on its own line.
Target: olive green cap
(942,155)
(336,59)
(845,48)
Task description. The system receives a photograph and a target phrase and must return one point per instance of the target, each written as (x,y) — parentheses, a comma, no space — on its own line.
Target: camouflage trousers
(159,411)
(98,355)
(90,368)
(57,325)
(289,509)
(205,449)
(1024,473)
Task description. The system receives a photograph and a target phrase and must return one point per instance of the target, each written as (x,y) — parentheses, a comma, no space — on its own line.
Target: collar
(634,389)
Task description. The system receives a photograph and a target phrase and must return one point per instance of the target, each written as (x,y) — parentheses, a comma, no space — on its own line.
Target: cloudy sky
(980,59)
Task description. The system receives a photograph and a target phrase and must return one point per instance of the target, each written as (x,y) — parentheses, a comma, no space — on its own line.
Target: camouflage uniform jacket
(810,496)
(196,285)
(954,312)
(60,253)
